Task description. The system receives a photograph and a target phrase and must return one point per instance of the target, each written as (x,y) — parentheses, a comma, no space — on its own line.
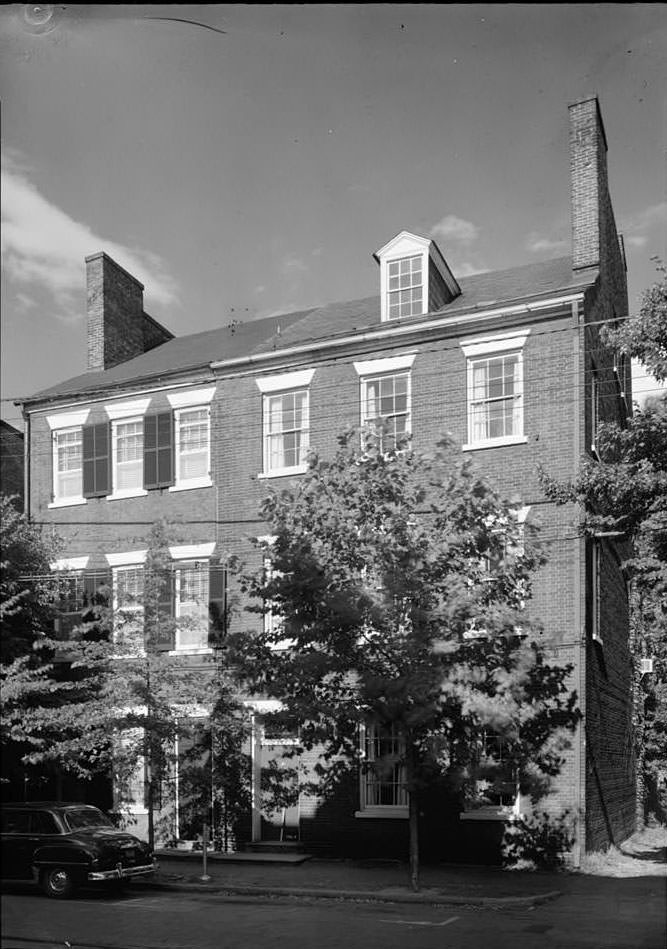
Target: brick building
(11,462)
(509,362)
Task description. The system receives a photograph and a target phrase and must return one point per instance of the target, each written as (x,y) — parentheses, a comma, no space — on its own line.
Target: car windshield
(81,818)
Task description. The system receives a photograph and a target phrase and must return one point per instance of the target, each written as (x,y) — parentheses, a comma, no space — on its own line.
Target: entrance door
(277,782)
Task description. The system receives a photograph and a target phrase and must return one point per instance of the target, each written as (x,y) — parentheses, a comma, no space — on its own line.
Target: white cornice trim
(286,380)
(70,563)
(192,551)
(128,559)
(68,419)
(188,398)
(391,364)
(126,409)
(392,331)
(498,343)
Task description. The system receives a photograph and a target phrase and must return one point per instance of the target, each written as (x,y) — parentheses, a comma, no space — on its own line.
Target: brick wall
(118,328)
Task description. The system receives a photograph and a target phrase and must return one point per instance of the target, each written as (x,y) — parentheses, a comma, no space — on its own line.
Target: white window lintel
(189,398)
(130,558)
(68,419)
(135,408)
(192,551)
(70,563)
(285,380)
(369,367)
(499,343)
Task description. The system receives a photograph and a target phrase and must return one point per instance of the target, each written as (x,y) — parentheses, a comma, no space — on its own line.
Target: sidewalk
(300,876)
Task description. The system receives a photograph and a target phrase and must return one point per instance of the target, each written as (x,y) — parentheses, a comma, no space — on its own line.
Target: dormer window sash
(405,287)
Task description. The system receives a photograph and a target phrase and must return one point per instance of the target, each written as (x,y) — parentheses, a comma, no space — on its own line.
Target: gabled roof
(187,354)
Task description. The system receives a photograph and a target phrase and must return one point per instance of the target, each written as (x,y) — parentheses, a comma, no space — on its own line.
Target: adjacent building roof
(186,354)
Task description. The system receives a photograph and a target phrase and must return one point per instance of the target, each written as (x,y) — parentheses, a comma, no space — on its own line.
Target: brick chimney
(118,328)
(595,242)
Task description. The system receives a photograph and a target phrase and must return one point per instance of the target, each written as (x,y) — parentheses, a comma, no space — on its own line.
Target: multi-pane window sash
(385,406)
(192,605)
(286,430)
(128,589)
(384,778)
(496,393)
(68,466)
(405,287)
(192,444)
(503,789)
(128,455)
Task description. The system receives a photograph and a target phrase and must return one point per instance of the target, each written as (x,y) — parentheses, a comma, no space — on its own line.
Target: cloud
(42,244)
(292,265)
(455,229)
(638,227)
(468,269)
(538,244)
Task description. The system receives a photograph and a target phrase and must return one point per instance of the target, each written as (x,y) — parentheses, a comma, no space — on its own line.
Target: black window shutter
(158,450)
(217,603)
(96,460)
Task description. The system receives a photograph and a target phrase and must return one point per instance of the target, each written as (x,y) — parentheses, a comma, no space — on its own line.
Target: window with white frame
(68,464)
(193,436)
(405,287)
(496,397)
(130,771)
(496,790)
(383,776)
(128,455)
(128,602)
(286,430)
(191,605)
(385,406)
(495,390)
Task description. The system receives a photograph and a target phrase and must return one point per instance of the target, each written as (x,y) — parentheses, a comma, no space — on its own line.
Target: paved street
(615,914)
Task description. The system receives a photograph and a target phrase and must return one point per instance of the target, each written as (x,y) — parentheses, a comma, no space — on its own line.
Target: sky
(243,160)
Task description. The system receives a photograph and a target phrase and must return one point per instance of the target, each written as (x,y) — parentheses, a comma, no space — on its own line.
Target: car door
(16,845)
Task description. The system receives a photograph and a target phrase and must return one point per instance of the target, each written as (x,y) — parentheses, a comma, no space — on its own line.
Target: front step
(274,846)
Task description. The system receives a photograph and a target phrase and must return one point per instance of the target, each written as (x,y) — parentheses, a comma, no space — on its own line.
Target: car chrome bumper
(122,873)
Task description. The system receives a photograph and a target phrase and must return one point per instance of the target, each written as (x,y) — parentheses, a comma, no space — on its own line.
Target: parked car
(63,846)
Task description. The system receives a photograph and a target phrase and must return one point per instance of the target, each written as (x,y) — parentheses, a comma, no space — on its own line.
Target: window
(128,601)
(405,290)
(192,605)
(385,406)
(496,791)
(192,447)
(68,464)
(595,408)
(495,390)
(596,557)
(383,781)
(286,431)
(495,403)
(274,623)
(130,771)
(128,456)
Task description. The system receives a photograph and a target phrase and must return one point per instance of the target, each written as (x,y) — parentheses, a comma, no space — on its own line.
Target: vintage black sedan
(64,846)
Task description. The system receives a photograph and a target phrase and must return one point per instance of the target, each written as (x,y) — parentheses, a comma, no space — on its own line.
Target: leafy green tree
(401,585)
(623,492)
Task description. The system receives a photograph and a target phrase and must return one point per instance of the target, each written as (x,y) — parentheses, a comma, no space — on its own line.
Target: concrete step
(274,846)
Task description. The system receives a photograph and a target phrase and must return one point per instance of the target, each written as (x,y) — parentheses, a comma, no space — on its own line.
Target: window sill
(496,442)
(67,502)
(284,472)
(190,485)
(191,651)
(491,814)
(129,493)
(386,812)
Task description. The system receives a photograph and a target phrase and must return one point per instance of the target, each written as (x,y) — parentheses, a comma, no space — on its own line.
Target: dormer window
(414,277)
(405,294)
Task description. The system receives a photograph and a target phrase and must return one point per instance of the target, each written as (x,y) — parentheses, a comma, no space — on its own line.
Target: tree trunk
(413,820)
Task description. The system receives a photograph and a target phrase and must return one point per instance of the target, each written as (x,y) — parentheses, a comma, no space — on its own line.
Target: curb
(365,896)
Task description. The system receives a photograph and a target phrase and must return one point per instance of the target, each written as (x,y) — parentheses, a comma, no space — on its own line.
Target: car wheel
(57,882)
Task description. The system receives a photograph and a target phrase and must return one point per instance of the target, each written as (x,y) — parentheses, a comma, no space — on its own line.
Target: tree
(116,702)
(401,582)
(623,492)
